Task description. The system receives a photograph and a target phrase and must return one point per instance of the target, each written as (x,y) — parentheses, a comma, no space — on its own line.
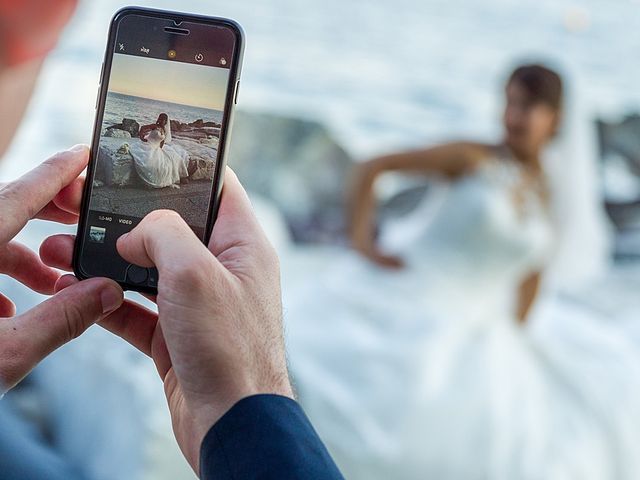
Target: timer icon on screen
(199,57)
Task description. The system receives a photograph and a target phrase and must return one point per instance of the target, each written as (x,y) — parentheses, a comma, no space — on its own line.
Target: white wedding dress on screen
(424,372)
(160,165)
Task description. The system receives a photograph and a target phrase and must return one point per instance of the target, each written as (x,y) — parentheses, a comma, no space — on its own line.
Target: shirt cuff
(264,436)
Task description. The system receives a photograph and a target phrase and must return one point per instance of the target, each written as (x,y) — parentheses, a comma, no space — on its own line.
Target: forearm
(144,131)
(363,202)
(527,295)
(451,160)
(362,207)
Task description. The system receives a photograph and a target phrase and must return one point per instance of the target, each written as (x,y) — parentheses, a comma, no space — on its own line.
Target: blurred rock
(622,138)
(192,134)
(116,133)
(201,158)
(127,125)
(297,165)
(195,130)
(202,124)
(620,152)
(115,165)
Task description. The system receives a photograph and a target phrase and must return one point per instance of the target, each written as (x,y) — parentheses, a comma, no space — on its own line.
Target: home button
(136,274)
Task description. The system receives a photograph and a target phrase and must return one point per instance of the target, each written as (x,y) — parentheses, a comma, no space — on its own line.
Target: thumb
(236,222)
(28,338)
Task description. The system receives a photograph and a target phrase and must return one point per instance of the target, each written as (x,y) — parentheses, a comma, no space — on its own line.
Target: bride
(421,363)
(159,163)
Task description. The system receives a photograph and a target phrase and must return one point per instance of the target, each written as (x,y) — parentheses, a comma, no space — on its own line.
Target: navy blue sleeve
(265,437)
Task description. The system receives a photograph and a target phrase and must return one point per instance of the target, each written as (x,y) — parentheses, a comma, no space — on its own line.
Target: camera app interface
(160,132)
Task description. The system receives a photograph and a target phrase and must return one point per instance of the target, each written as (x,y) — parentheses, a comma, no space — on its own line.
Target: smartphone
(168,87)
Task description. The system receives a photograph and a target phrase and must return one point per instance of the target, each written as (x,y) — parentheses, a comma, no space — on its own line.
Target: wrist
(208,411)
(253,422)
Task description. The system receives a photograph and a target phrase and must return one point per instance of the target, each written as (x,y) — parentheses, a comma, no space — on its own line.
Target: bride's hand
(388,261)
(381,259)
(362,241)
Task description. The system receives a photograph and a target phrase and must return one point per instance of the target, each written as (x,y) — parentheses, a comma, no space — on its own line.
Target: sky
(182,83)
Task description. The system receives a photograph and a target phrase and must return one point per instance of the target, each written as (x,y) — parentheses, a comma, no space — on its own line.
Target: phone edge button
(235,98)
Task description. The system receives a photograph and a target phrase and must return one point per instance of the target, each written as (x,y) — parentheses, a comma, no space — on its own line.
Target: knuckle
(159,215)
(270,257)
(9,191)
(15,210)
(72,321)
(55,166)
(191,275)
(56,169)
(154,215)
(166,219)
(12,361)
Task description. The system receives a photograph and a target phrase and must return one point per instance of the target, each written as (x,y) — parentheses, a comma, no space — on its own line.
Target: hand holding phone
(27,338)
(217,336)
(164,112)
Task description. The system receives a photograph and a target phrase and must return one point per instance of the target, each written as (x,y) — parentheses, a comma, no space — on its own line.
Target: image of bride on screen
(158,162)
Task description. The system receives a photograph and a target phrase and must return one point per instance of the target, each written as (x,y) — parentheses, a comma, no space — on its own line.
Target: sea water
(145,111)
(381,75)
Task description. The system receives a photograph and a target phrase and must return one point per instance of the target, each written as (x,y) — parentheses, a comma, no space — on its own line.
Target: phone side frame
(225,132)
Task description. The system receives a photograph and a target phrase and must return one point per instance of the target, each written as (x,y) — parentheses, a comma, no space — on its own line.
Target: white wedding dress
(160,166)
(424,373)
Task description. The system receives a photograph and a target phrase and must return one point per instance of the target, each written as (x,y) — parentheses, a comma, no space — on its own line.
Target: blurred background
(327,85)
(381,77)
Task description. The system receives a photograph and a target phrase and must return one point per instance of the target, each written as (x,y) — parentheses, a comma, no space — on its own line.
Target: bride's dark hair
(163,118)
(542,84)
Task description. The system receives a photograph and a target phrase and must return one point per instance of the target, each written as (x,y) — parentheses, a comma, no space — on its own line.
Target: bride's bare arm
(144,131)
(361,217)
(527,294)
(452,160)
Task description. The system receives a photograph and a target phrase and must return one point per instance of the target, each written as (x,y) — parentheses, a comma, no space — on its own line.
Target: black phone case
(225,133)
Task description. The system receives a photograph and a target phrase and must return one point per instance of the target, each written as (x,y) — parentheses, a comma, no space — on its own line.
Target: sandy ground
(190,200)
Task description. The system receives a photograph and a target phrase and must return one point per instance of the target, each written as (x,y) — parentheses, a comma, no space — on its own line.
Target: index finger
(21,200)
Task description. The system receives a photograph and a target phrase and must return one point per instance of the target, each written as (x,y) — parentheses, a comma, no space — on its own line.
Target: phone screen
(157,144)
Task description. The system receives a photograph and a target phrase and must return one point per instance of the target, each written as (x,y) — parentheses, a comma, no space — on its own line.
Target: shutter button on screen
(136,274)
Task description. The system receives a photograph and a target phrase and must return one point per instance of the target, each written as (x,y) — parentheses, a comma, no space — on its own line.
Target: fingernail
(111,299)
(78,148)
